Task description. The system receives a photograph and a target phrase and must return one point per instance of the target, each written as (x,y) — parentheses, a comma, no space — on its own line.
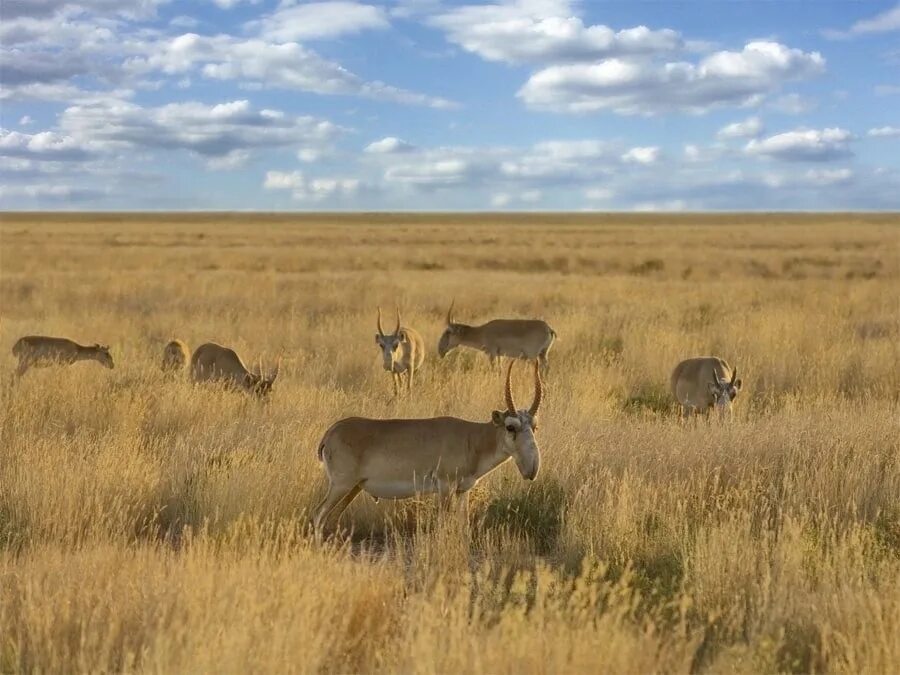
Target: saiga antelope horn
(510,403)
(538,390)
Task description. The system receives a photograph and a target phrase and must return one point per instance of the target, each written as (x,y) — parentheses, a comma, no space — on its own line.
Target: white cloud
(748,128)
(635,87)
(884,132)
(389,145)
(315,20)
(45,193)
(661,206)
(25,121)
(544,31)
(221,133)
(500,200)
(887,89)
(809,178)
(316,189)
(599,194)
(647,155)
(131,9)
(285,66)
(45,146)
(804,145)
(885,22)
(436,173)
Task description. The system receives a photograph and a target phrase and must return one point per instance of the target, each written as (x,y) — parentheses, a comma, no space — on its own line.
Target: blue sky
(435,105)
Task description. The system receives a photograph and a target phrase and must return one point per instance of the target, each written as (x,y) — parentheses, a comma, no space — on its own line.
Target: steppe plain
(147,525)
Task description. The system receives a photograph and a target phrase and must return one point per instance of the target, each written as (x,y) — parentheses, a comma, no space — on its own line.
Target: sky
(511,105)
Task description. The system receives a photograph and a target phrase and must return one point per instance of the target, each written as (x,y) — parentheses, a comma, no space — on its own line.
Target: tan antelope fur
(403,351)
(212,362)
(514,338)
(400,458)
(40,351)
(175,356)
(705,383)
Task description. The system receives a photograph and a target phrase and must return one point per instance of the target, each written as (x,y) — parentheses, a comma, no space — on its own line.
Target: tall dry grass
(147,525)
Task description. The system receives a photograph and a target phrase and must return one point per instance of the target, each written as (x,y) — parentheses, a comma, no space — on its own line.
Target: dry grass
(149,526)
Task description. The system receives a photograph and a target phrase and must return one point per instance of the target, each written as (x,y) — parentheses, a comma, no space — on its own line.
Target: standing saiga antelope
(400,458)
(515,338)
(212,362)
(403,352)
(40,351)
(705,383)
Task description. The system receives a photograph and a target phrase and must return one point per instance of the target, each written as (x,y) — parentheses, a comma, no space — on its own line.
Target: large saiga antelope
(41,351)
(403,352)
(400,458)
(703,383)
(213,362)
(515,338)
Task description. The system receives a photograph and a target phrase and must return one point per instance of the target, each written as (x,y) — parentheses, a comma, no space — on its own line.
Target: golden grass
(147,525)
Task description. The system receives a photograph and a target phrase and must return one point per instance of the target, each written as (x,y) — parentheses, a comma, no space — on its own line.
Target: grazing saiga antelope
(175,356)
(515,338)
(703,383)
(213,362)
(40,351)
(403,352)
(400,458)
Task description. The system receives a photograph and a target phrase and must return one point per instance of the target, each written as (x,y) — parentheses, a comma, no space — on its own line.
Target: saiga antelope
(401,458)
(403,351)
(41,351)
(705,383)
(213,362)
(514,338)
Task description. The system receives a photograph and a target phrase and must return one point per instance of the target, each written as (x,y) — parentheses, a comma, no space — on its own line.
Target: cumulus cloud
(804,145)
(632,87)
(285,66)
(221,132)
(526,31)
(45,146)
(648,155)
(884,132)
(389,145)
(314,20)
(316,189)
(748,128)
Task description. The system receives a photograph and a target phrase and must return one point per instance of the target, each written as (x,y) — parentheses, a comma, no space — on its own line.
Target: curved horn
(733,376)
(274,373)
(380,329)
(397,329)
(538,390)
(450,312)
(510,403)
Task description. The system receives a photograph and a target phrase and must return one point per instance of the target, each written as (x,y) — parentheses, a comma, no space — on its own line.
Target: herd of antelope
(400,458)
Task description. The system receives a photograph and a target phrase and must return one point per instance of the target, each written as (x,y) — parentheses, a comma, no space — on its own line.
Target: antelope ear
(738,384)
(498,417)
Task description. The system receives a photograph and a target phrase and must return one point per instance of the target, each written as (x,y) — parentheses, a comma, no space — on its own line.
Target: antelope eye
(510,428)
